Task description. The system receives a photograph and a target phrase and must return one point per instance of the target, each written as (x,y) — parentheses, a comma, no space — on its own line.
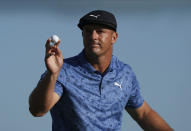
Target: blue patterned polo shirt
(91,101)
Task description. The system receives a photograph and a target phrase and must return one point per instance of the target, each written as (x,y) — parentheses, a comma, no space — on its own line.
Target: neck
(100,63)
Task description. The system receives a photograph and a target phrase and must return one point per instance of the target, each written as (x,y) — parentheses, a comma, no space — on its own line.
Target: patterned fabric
(90,101)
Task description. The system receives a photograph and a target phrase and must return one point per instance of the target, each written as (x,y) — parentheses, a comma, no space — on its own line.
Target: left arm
(148,119)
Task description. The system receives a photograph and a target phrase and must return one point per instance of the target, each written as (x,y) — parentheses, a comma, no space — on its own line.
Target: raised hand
(53,57)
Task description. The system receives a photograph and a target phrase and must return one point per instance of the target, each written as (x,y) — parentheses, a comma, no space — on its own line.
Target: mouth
(93,44)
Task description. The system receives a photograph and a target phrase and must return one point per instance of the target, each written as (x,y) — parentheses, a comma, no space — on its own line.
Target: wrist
(53,75)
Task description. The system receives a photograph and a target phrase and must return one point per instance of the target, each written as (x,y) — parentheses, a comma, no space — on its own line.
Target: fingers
(52,50)
(57,43)
(47,45)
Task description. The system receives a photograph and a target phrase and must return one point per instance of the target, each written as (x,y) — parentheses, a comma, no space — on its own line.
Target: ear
(114,37)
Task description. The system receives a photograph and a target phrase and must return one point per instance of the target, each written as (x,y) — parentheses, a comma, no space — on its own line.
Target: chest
(98,92)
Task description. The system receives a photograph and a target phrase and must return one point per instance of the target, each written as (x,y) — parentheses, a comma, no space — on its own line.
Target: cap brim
(103,23)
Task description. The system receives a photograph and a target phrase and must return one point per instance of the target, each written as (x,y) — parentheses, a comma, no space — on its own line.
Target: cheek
(105,38)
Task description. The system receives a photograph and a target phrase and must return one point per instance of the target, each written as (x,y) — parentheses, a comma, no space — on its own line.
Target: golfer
(88,92)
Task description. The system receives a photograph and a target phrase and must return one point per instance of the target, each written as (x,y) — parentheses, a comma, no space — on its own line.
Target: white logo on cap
(96,16)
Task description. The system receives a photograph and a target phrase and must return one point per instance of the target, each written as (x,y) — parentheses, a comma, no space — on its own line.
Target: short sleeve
(58,86)
(135,99)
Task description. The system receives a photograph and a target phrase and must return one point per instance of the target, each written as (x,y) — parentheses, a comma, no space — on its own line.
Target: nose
(94,35)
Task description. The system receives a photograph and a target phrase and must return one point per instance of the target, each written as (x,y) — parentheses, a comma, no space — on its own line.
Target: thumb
(59,52)
(57,43)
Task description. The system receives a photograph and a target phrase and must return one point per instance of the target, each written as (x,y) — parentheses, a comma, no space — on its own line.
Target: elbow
(36,113)
(35,109)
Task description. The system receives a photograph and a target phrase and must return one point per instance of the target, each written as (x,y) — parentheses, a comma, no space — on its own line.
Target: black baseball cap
(100,17)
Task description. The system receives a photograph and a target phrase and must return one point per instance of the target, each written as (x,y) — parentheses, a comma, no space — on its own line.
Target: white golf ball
(54,39)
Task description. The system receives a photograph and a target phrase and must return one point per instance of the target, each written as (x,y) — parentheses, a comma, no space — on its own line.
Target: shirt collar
(85,64)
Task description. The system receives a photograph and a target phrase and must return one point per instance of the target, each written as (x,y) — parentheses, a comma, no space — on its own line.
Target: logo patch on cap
(96,16)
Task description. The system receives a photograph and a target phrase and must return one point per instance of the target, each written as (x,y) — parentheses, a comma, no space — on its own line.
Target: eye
(99,31)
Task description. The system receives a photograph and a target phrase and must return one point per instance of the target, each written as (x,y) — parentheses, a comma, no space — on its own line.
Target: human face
(98,40)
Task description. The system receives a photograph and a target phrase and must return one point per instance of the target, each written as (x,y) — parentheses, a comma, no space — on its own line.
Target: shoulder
(72,61)
(120,65)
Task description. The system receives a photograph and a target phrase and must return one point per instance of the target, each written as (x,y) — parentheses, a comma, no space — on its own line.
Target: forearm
(40,99)
(151,121)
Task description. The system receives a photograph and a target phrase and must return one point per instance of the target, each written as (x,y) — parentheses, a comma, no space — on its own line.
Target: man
(88,92)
